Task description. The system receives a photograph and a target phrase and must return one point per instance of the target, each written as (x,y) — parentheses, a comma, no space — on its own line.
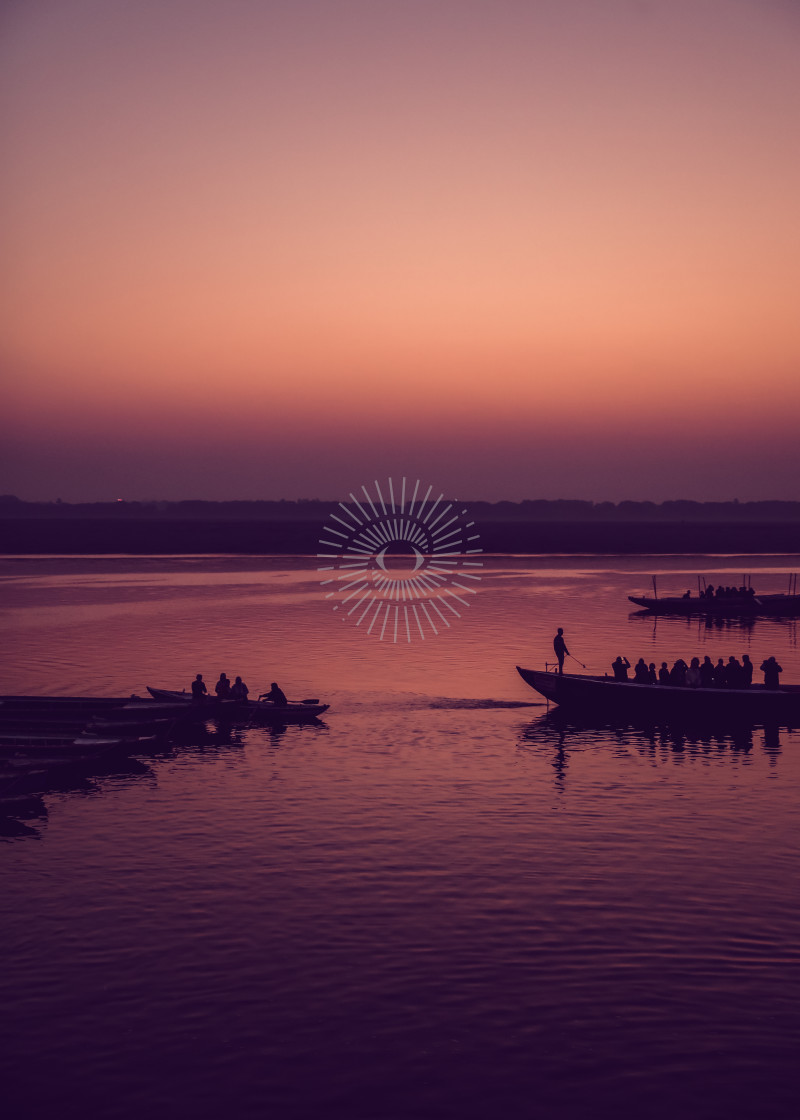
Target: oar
(574,658)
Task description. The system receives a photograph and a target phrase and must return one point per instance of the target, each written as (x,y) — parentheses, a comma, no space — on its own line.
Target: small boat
(135,728)
(60,704)
(296,711)
(67,717)
(18,749)
(171,696)
(723,606)
(587,693)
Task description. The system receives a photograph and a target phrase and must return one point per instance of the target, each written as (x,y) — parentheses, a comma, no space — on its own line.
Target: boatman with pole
(560,646)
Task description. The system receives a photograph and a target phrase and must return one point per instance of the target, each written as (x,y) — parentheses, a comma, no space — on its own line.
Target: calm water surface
(440,901)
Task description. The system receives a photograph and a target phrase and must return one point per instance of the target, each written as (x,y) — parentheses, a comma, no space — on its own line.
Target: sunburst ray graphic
(400,568)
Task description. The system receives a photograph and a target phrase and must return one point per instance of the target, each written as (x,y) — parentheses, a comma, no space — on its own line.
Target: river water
(442,900)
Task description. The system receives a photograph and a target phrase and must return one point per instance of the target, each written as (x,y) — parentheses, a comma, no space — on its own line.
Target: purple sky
(519,249)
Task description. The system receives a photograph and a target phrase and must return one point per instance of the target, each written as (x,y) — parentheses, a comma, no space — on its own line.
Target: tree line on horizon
(306,509)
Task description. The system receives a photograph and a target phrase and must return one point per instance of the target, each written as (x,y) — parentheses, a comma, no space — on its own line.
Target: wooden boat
(17,749)
(587,693)
(60,704)
(256,710)
(67,717)
(159,728)
(730,606)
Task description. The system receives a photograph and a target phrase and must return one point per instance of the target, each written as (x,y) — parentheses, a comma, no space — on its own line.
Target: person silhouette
(733,673)
(620,667)
(677,674)
(693,673)
(560,647)
(771,670)
(199,689)
(707,672)
(641,673)
(276,695)
(239,690)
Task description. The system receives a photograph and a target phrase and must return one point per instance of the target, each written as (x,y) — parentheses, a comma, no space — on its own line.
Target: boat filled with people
(184,703)
(723,601)
(667,700)
(47,731)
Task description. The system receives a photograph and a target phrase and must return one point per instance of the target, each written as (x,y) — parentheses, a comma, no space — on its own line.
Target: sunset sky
(517,248)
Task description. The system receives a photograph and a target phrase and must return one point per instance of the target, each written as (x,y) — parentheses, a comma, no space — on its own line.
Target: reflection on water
(715,624)
(555,734)
(23,789)
(445,900)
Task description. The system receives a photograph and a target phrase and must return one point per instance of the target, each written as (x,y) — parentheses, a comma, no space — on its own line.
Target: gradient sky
(517,248)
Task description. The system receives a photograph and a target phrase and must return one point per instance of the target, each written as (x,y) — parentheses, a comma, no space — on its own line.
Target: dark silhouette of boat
(586,693)
(259,711)
(729,606)
(25,749)
(60,706)
(143,713)
(69,717)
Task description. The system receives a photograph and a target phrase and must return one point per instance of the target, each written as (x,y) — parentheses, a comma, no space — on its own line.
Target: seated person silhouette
(276,695)
(239,690)
(199,690)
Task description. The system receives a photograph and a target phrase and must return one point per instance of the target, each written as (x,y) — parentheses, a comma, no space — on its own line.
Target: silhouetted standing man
(560,646)
(770,668)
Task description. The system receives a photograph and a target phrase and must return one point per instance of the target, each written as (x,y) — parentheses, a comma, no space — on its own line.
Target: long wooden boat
(130,728)
(63,704)
(256,710)
(730,606)
(586,693)
(46,750)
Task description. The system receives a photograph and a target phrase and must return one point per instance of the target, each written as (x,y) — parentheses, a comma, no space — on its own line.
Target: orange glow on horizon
(482,221)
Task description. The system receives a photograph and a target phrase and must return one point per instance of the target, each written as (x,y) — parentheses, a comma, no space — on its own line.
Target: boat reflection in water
(710,623)
(23,810)
(25,783)
(563,732)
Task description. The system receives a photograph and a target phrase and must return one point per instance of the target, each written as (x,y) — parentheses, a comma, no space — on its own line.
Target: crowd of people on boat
(732,673)
(721,592)
(238,690)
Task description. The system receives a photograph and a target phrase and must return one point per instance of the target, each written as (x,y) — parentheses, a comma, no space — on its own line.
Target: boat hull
(656,701)
(48,750)
(257,711)
(774,606)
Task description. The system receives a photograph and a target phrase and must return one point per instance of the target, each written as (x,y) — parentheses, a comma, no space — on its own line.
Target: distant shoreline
(76,535)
